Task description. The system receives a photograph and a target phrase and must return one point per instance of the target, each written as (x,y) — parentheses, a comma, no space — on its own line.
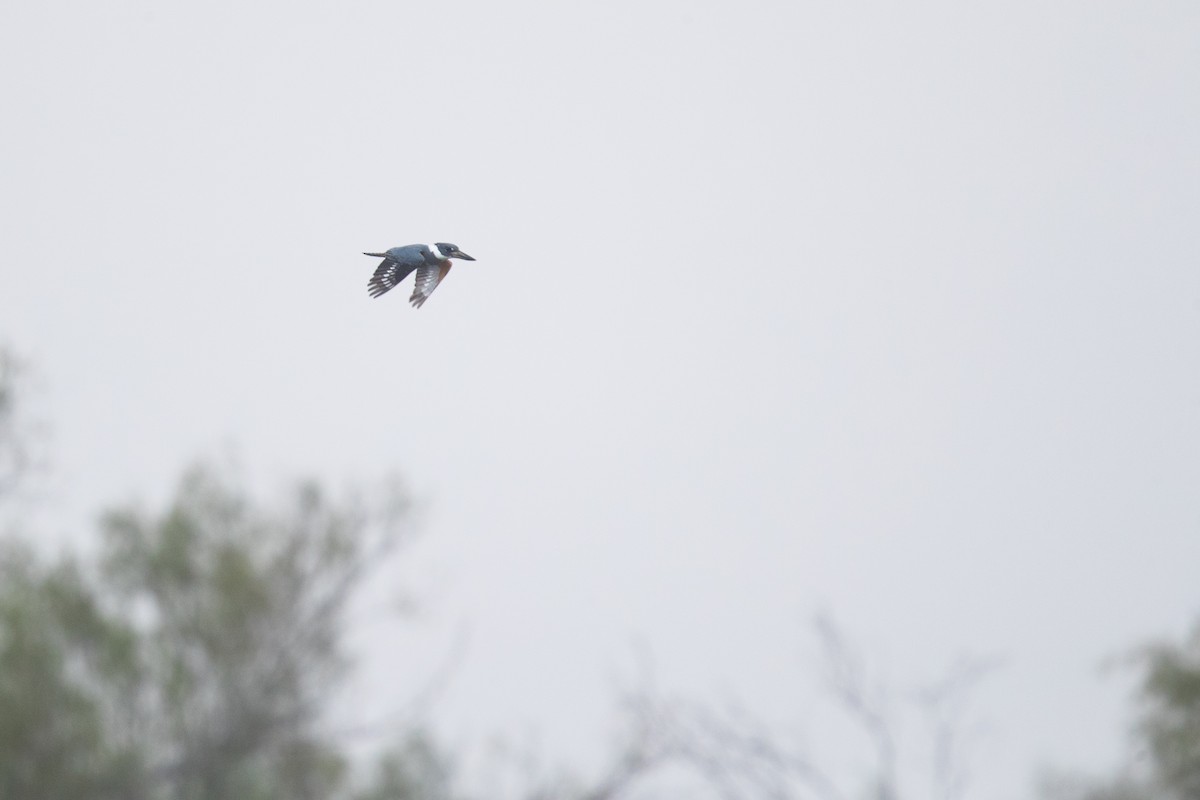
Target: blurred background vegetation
(194,654)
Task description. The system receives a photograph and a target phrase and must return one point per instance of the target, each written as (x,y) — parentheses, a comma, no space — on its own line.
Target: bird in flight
(430,261)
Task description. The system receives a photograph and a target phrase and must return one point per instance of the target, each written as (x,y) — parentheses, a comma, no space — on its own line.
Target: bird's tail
(376,255)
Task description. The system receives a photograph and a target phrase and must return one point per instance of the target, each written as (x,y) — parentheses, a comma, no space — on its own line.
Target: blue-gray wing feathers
(398,263)
(388,274)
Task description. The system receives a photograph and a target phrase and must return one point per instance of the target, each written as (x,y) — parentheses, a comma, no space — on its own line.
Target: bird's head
(451,251)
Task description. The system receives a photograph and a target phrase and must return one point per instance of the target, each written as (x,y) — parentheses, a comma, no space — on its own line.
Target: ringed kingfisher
(431,262)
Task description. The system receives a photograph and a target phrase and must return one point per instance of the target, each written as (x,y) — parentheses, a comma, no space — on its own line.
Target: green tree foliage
(195,662)
(1166,736)
(1170,722)
(413,770)
(193,655)
(55,648)
(14,452)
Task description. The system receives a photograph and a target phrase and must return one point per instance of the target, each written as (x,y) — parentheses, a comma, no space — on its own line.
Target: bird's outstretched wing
(388,274)
(428,278)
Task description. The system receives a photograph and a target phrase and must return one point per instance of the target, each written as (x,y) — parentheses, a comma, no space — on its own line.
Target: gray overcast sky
(887,309)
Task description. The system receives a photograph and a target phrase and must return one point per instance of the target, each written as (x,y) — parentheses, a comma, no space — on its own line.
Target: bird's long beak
(376,255)
(463,256)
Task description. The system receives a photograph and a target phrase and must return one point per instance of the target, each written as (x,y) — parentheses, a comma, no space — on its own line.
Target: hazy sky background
(886,309)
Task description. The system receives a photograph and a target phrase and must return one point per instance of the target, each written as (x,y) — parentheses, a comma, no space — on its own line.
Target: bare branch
(848,681)
(945,706)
